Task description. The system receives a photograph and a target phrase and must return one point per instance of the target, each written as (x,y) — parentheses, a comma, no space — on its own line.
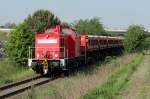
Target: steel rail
(19,82)
(20,86)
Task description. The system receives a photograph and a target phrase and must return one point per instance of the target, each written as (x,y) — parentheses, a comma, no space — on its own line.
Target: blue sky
(113,13)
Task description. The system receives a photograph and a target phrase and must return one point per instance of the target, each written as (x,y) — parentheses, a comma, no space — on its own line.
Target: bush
(90,26)
(17,45)
(134,39)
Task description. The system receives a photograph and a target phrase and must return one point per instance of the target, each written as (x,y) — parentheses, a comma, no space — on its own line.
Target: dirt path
(139,82)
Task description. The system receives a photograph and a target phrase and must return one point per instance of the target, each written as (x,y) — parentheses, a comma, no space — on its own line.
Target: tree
(89,26)
(41,19)
(134,39)
(17,45)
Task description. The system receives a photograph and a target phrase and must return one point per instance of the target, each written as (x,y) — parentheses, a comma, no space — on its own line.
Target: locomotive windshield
(67,31)
(50,30)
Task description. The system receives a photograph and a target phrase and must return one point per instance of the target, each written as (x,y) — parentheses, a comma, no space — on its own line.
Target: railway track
(20,86)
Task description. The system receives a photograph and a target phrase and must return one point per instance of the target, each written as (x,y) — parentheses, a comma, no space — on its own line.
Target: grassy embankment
(138,86)
(77,85)
(9,72)
(115,83)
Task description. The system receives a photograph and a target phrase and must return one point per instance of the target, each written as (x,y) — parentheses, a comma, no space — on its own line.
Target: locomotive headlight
(56,55)
(38,55)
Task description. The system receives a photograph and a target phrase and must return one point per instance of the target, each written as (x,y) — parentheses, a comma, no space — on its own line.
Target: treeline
(23,35)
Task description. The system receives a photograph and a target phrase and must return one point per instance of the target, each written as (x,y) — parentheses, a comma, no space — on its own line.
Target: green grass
(115,83)
(10,73)
(50,93)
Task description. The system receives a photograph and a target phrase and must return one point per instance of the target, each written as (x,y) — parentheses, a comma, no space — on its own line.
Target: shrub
(134,39)
(17,45)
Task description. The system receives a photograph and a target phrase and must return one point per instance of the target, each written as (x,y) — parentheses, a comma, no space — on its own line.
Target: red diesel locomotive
(61,48)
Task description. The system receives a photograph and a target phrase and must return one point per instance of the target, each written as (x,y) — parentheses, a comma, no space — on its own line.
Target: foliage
(3,39)
(19,41)
(116,81)
(89,26)
(41,19)
(147,43)
(134,39)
